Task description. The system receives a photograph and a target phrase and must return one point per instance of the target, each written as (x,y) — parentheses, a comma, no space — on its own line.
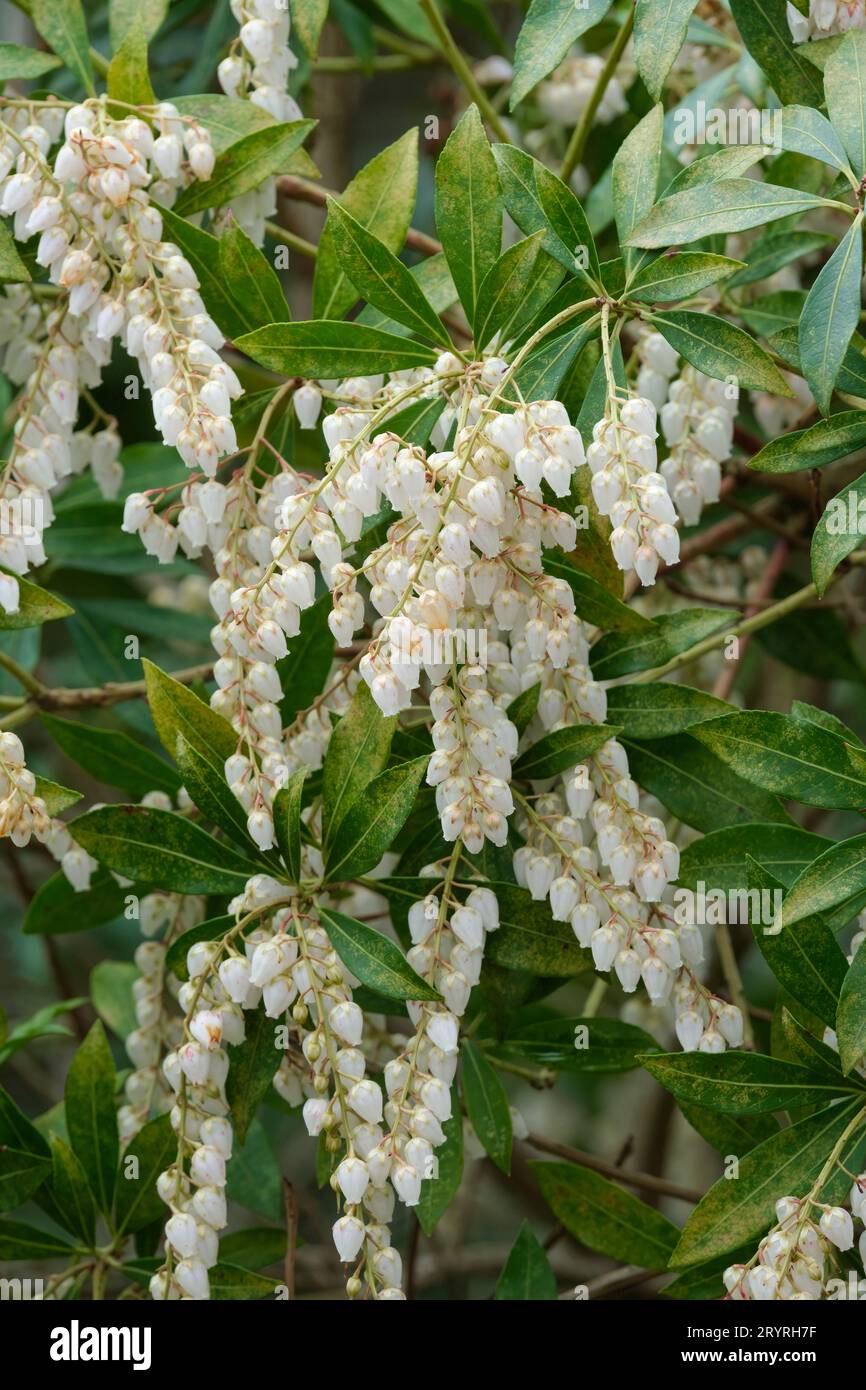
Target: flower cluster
(698,424)
(825,17)
(565,94)
(629,488)
(798,1259)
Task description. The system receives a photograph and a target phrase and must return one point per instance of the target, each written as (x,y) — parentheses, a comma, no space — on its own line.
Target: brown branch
(646,1181)
(303,192)
(290,1203)
(776,563)
(113,692)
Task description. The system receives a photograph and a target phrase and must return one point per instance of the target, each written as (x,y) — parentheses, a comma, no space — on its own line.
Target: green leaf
(162,849)
(256,282)
(523,707)
(252,1066)
(56,798)
(739,1083)
(287,823)
(604,1217)
(376,961)
(659,710)
(568,220)
(381,197)
(504,301)
(111,984)
(56,908)
(113,757)
(205,781)
(211,930)
(804,955)
(719,859)
(586,1045)
(70,1192)
(16,1131)
(20,1176)
(137,1202)
(851,1014)
(380,278)
(776,249)
(126,15)
(764,28)
(228,119)
(177,710)
(659,33)
(487,1105)
(25,63)
(823,442)
(720,349)
(831,314)
(371,824)
(635,175)
(621,654)
(773,313)
(679,275)
(788,757)
(468,207)
(540,376)
(308,18)
(529,939)
(562,749)
(519,175)
(834,538)
(696,785)
(734,1213)
(805,131)
(837,875)
(91,1115)
(729,1134)
(320,348)
(128,80)
(254,1248)
(39,1025)
(845,86)
(203,253)
(726,205)
(439,1192)
(549,30)
(35,606)
(593,602)
(18,1241)
(244,166)
(64,28)
(304,671)
(527,1276)
(12,271)
(358,752)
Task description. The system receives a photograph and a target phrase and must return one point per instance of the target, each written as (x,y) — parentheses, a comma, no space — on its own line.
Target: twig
(463,71)
(299,190)
(581,131)
(728,675)
(646,1181)
(290,1202)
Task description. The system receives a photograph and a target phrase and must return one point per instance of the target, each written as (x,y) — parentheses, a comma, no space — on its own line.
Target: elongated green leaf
(128,80)
(660,29)
(35,606)
(439,1192)
(604,1217)
(137,1203)
(831,880)
(113,757)
(381,197)
(593,602)
(740,1083)
(788,757)
(254,1248)
(720,349)
(562,749)
(70,1191)
(803,955)
(56,798)
(635,176)
(203,253)
(25,63)
(320,348)
(377,961)
(163,849)
(228,119)
(18,1241)
(831,314)
(540,376)
(487,1105)
(358,752)
(124,15)
(764,27)
(205,781)
(256,282)
(91,1116)
(56,907)
(245,165)
(504,293)
(308,18)
(20,1176)
(549,30)
(679,275)
(519,175)
(287,823)
(16,1131)
(527,1276)
(620,654)
(39,1025)
(659,710)
(252,1065)
(64,28)
(834,538)
(773,313)
(568,220)
(805,131)
(468,207)
(777,249)
(823,442)
(111,986)
(720,858)
(851,1014)
(729,1134)
(696,785)
(529,939)
(733,1213)
(381,278)
(578,1044)
(845,87)
(12,269)
(727,205)
(176,710)
(373,821)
